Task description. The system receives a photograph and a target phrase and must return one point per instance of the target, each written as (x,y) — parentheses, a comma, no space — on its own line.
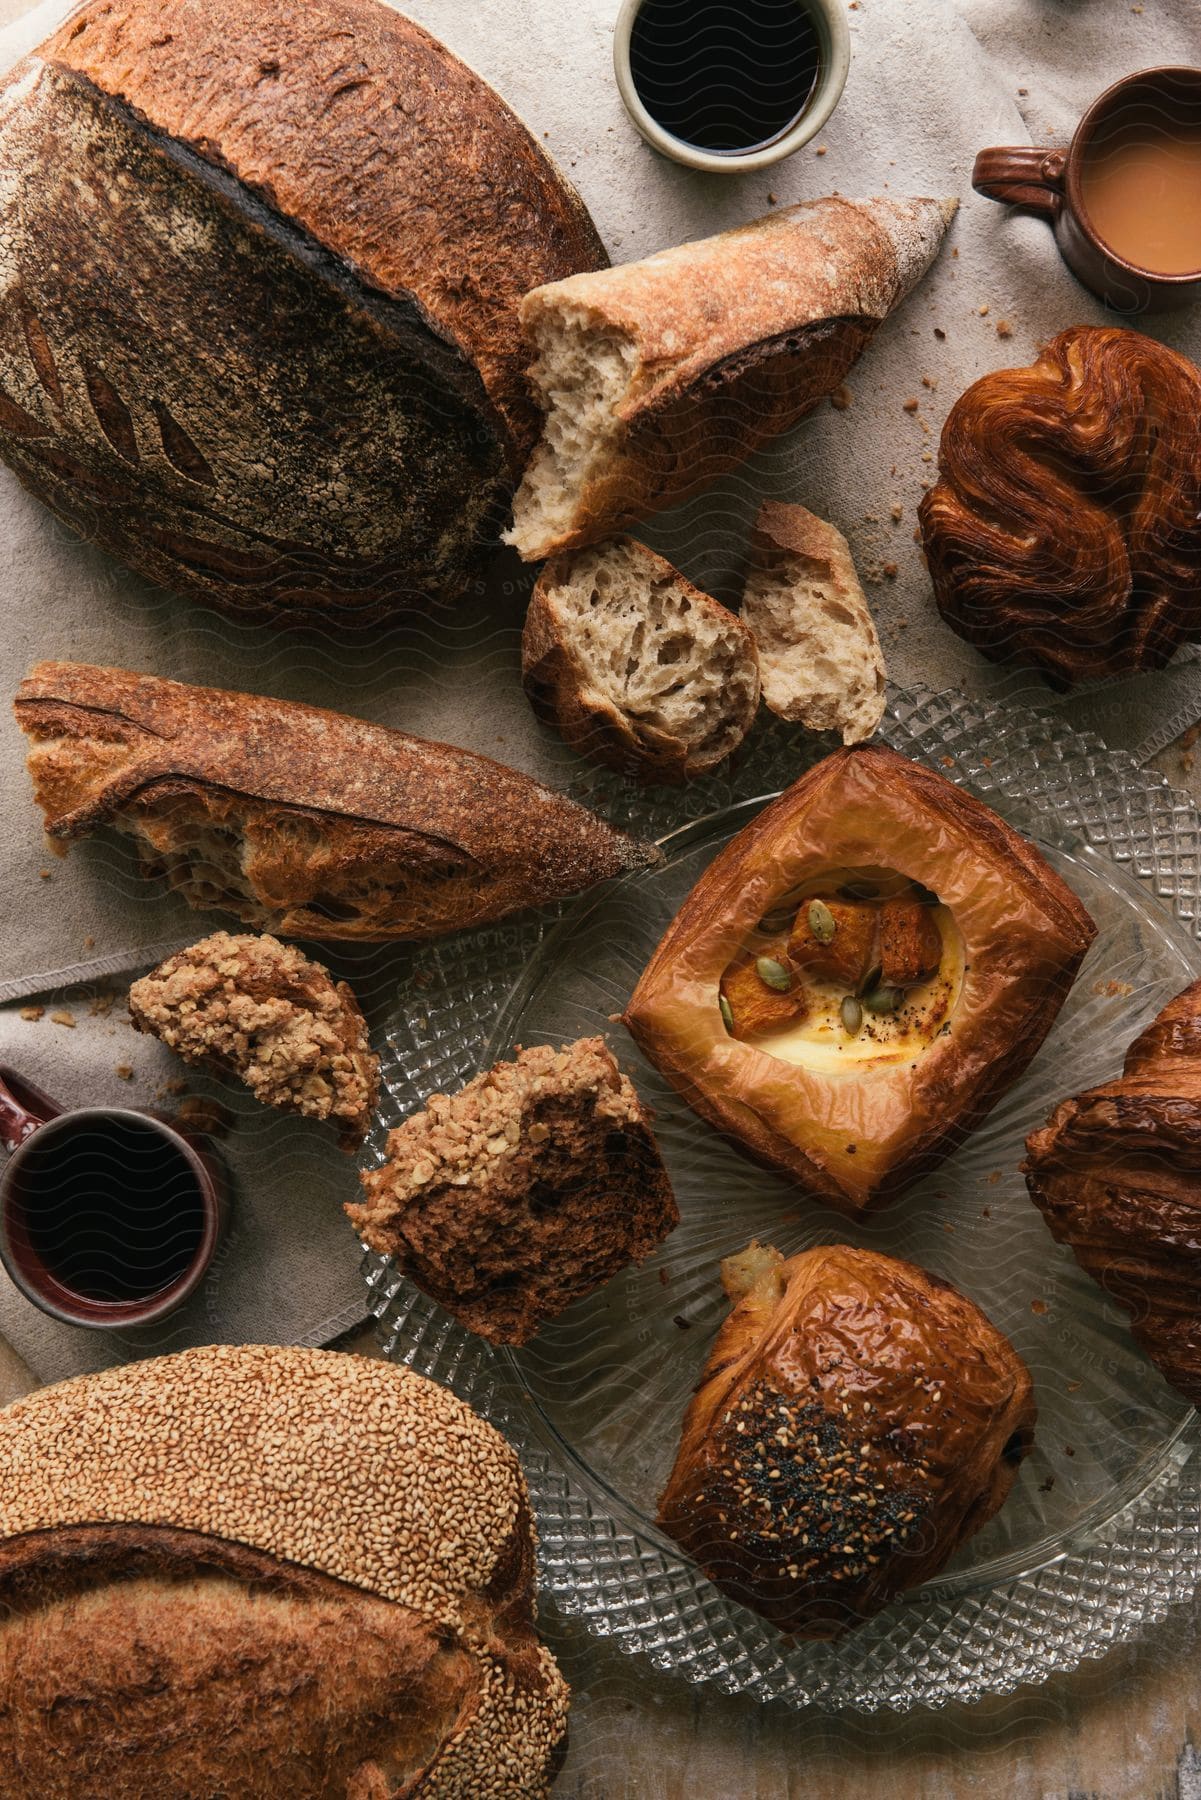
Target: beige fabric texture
(930,83)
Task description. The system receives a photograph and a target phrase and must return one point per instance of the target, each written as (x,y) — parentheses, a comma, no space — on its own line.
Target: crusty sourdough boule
(255,1571)
(258,324)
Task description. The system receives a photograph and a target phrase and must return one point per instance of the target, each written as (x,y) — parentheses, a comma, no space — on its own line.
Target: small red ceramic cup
(1052,181)
(109,1217)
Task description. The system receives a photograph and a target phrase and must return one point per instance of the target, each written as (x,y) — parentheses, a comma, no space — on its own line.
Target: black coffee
(112,1211)
(725,77)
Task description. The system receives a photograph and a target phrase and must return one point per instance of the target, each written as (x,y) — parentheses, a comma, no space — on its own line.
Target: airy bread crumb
(819,654)
(637,667)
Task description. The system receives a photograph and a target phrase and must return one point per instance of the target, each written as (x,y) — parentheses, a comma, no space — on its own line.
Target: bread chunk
(819,654)
(637,667)
(535,1184)
(262,1011)
(658,376)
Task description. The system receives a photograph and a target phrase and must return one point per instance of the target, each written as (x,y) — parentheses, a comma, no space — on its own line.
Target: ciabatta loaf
(258,322)
(300,821)
(658,376)
(256,1572)
(819,654)
(637,667)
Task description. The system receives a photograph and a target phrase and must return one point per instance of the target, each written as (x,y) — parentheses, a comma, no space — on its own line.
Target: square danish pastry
(860,975)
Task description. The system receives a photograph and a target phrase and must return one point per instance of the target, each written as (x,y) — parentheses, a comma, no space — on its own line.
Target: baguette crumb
(33,1012)
(63,1017)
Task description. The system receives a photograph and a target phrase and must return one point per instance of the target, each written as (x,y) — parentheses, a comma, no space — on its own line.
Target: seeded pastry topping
(531,1187)
(264,1012)
(804,1482)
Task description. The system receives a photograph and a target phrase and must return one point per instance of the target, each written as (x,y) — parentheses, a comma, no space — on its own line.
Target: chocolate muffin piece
(535,1184)
(262,1011)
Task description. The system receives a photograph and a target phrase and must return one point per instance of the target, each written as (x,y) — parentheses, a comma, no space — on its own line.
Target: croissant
(1116,1173)
(860,975)
(856,1422)
(1063,530)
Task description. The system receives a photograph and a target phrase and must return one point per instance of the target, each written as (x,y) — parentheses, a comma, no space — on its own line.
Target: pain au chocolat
(1116,1173)
(860,975)
(857,1421)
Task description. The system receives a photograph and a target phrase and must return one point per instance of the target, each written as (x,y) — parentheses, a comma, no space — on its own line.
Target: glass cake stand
(1102,1533)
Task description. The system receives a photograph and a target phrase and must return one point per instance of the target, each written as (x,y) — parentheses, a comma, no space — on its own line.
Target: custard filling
(856,967)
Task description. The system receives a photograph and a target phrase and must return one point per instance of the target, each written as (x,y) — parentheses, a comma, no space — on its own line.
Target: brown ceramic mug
(109,1217)
(1054,182)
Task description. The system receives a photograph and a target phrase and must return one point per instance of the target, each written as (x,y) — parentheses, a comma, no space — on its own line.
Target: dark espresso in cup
(109,1217)
(728,76)
(106,1208)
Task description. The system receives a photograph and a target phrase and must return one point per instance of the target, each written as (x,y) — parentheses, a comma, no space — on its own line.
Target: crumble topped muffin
(262,1011)
(535,1184)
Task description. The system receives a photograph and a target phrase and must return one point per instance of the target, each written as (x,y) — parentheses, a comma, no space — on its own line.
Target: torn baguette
(658,376)
(635,666)
(300,821)
(819,654)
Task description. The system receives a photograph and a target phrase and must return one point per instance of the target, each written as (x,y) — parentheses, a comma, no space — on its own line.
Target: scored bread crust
(565,694)
(723,343)
(258,328)
(819,654)
(256,1464)
(896,1417)
(857,1137)
(302,821)
(351,120)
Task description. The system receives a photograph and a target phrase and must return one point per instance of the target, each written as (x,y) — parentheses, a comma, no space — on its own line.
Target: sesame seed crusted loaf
(265,1012)
(535,1184)
(857,1420)
(258,327)
(251,1572)
(301,821)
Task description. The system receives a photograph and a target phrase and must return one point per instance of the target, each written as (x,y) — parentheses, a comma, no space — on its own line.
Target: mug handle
(1022,175)
(23,1108)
